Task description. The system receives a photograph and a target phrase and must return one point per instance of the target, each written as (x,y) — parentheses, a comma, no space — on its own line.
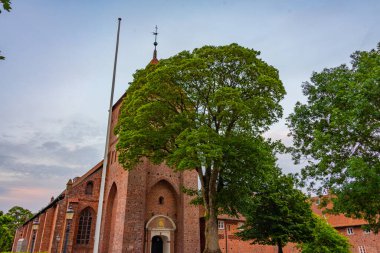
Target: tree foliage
(9,222)
(204,110)
(325,239)
(19,216)
(6,233)
(277,214)
(338,131)
(6,6)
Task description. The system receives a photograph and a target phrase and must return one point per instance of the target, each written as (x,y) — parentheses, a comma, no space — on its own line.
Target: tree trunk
(279,244)
(211,234)
(209,190)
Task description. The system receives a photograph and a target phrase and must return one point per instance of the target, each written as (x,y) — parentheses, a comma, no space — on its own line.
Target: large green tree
(277,214)
(325,239)
(338,131)
(204,110)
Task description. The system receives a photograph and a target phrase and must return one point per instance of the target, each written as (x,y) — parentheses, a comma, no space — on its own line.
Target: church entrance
(160,234)
(157,244)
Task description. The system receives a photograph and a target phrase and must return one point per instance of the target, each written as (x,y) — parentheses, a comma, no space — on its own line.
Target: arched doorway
(160,234)
(157,244)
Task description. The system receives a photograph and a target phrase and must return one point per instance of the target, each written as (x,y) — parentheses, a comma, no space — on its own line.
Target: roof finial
(155,60)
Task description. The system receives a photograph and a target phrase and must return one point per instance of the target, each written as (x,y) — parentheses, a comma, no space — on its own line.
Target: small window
(89,188)
(161,200)
(362,249)
(350,231)
(239,225)
(220,224)
(367,231)
(111,157)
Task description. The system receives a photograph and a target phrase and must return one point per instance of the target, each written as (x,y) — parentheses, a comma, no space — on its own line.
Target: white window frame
(350,231)
(239,226)
(362,249)
(220,224)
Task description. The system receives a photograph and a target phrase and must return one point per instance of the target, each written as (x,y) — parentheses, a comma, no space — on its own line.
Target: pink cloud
(32,198)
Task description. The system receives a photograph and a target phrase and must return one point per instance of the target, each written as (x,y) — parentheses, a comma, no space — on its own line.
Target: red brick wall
(164,190)
(28,236)
(134,226)
(46,230)
(18,235)
(41,220)
(190,221)
(110,219)
(80,200)
(230,243)
(54,244)
(371,241)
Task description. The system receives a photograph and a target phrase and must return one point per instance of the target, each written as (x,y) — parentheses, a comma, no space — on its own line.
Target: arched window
(89,188)
(161,200)
(84,227)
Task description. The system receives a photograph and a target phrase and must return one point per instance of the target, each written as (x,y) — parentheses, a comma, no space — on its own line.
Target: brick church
(144,211)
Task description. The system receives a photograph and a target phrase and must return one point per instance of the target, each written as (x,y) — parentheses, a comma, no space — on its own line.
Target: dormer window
(89,188)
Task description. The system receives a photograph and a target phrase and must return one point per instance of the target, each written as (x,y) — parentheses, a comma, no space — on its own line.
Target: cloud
(45,155)
(3,191)
(33,198)
(50,145)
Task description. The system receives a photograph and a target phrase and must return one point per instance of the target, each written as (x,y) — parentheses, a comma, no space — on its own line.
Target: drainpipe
(225,234)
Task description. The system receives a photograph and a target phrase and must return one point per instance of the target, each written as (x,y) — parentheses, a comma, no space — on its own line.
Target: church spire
(155,60)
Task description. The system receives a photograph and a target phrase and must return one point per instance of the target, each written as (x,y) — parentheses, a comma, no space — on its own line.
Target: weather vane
(155,33)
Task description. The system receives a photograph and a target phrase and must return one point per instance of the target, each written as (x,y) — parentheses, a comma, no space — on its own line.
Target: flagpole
(105,161)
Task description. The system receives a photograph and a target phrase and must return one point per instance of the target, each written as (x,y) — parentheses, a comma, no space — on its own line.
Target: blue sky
(55,81)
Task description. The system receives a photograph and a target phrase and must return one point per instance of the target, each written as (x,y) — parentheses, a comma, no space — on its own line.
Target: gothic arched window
(84,227)
(89,188)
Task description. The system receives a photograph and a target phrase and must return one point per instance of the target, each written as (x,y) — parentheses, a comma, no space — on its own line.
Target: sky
(55,82)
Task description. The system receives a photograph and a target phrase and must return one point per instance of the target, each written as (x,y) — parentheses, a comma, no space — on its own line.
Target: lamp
(35,225)
(69,217)
(69,213)
(57,239)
